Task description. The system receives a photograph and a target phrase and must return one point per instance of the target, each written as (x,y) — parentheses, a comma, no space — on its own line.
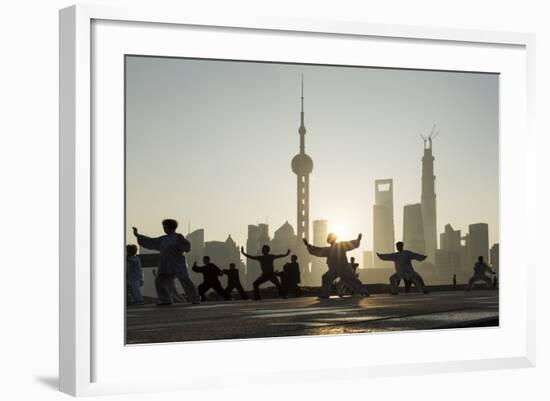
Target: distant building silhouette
(428,201)
(413,228)
(383,228)
(448,258)
(283,238)
(494,257)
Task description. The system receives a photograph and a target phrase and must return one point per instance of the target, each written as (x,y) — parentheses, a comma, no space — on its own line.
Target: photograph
(268,199)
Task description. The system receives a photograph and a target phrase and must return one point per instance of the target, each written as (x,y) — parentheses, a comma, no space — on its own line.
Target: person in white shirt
(172,262)
(403,268)
(338,265)
(480,268)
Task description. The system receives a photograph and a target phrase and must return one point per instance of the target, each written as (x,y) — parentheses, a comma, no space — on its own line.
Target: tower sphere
(302,164)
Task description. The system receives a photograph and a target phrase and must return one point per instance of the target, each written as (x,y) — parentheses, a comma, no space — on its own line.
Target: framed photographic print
(274,188)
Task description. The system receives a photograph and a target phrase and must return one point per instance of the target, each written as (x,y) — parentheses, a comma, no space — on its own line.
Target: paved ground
(310,316)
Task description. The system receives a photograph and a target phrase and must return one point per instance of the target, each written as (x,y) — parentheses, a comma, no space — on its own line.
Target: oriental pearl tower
(302,166)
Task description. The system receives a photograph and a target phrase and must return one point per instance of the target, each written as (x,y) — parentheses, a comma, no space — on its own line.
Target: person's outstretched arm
(247,255)
(316,250)
(418,256)
(349,245)
(386,256)
(196,268)
(147,242)
(284,255)
(220,273)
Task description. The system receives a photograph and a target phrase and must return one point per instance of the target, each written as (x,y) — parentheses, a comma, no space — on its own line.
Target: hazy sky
(211,142)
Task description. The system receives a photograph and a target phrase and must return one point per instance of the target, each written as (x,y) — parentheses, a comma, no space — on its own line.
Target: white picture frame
(84,349)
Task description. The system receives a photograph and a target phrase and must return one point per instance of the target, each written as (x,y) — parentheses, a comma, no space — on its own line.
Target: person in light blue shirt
(134,276)
(172,262)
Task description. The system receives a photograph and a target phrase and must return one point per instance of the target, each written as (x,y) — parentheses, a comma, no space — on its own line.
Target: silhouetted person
(174,295)
(403,268)
(340,287)
(134,276)
(210,273)
(495,282)
(290,277)
(338,266)
(172,261)
(408,284)
(480,268)
(233,282)
(454,281)
(268,273)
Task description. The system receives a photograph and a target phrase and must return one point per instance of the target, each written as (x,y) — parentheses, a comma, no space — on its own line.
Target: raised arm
(247,255)
(147,242)
(349,245)
(316,250)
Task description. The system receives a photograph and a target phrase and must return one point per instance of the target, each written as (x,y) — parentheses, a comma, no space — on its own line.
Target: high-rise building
(318,265)
(413,228)
(429,214)
(383,228)
(448,257)
(368,260)
(478,242)
(494,254)
(302,166)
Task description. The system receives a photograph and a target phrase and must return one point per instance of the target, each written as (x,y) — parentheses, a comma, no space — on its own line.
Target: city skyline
(333,168)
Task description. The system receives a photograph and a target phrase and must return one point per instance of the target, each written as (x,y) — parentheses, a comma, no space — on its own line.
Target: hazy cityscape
(253,154)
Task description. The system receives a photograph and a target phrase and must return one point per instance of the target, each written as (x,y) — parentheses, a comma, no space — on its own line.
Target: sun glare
(341,230)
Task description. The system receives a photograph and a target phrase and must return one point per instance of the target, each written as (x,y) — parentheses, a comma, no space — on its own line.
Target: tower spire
(302,129)
(302,165)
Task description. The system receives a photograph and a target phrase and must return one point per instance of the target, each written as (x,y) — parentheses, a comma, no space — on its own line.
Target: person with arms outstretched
(172,261)
(210,273)
(403,268)
(338,265)
(479,274)
(233,282)
(268,274)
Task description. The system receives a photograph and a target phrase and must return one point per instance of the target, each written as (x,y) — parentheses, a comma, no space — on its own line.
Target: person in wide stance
(210,273)
(338,265)
(403,268)
(172,262)
(233,281)
(479,274)
(268,273)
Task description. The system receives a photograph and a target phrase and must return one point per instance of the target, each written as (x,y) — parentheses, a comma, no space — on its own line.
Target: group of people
(173,265)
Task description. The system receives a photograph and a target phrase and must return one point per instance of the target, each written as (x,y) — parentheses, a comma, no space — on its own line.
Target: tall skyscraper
(429,216)
(302,166)
(413,228)
(383,230)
